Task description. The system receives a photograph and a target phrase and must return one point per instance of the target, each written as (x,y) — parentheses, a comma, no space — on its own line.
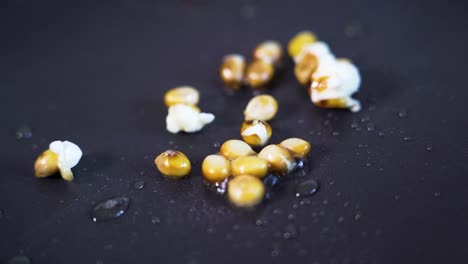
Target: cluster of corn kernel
(266,58)
(255,130)
(183,114)
(238,165)
(331,81)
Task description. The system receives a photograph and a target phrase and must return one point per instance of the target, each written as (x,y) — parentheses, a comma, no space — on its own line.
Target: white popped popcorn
(334,83)
(61,157)
(186,118)
(258,129)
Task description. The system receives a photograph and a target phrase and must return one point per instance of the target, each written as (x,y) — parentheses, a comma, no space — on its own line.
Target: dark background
(95,74)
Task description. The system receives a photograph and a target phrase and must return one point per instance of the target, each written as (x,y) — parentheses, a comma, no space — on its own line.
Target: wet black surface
(95,74)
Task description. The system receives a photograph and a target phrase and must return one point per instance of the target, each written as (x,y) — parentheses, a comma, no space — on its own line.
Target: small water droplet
(397,197)
(336,133)
(155,220)
(110,209)
(300,121)
(23,132)
(290,231)
(216,144)
(170,142)
(357,216)
(19,260)
(275,253)
(325,202)
(381,134)
(369,164)
(139,185)
(291,217)
(354,125)
(346,204)
(437,194)
(428,148)
(259,222)
(340,220)
(370,127)
(211,230)
(365,119)
(372,108)
(307,188)
(402,113)
(408,139)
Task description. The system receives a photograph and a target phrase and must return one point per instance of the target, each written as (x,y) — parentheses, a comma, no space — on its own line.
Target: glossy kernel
(232,71)
(216,168)
(235,148)
(299,41)
(298,147)
(245,191)
(261,107)
(270,51)
(280,160)
(259,73)
(256,132)
(46,164)
(306,65)
(250,165)
(173,164)
(182,95)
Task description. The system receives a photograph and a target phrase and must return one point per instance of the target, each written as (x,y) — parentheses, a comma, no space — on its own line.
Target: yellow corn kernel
(261,107)
(182,95)
(46,164)
(306,65)
(173,164)
(250,165)
(298,147)
(270,51)
(259,73)
(235,148)
(245,191)
(299,41)
(280,160)
(333,103)
(232,71)
(216,168)
(256,132)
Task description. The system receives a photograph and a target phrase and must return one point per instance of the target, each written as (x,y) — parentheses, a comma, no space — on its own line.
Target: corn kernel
(305,67)
(250,165)
(259,73)
(173,164)
(298,147)
(232,71)
(269,51)
(299,41)
(280,160)
(235,148)
(256,132)
(216,168)
(182,95)
(245,191)
(261,107)
(46,164)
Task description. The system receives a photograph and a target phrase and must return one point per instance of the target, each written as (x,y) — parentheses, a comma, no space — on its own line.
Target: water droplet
(211,230)
(290,231)
(340,220)
(381,134)
(259,222)
(354,125)
(110,209)
(19,260)
(369,164)
(408,139)
(428,148)
(336,133)
(155,220)
(397,197)
(170,142)
(346,204)
(216,144)
(437,194)
(357,216)
(370,127)
(139,185)
(300,121)
(325,202)
(291,217)
(275,253)
(270,182)
(23,132)
(402,113)
(365,119)
(307,188)
(372,108)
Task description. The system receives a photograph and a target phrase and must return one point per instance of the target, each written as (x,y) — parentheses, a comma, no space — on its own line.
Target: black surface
(95,74)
